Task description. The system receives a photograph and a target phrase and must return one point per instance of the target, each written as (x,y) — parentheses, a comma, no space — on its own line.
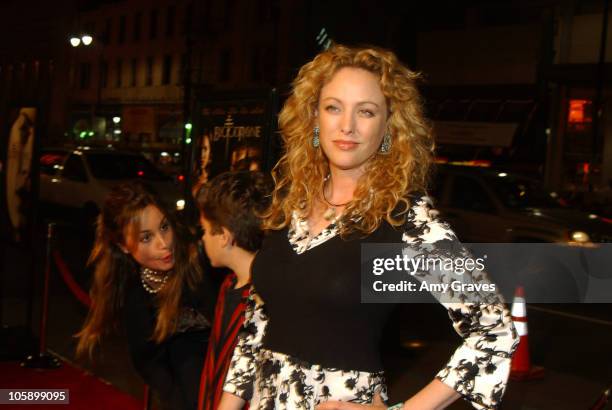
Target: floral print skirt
(285,382)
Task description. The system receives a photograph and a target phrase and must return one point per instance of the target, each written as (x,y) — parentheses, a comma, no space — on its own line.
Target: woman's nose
(162,241)
(347,124)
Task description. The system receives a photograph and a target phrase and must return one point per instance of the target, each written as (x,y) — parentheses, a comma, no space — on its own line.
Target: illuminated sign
(230,130)
(579,114)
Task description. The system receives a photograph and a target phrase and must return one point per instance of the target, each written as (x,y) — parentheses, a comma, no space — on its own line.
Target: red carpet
(87,392)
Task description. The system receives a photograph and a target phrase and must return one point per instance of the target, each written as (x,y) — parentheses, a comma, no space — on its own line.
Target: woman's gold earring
(385,147)
(315,137)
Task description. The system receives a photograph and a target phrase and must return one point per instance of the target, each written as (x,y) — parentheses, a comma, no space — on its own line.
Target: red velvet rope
(74,287)
(84,298)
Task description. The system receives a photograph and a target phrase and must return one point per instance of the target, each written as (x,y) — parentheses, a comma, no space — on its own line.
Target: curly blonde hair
(300,174)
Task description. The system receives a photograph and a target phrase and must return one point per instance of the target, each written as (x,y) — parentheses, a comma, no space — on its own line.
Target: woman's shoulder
(423,222)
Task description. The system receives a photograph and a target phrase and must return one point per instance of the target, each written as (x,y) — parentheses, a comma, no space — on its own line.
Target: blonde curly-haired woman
(357,155)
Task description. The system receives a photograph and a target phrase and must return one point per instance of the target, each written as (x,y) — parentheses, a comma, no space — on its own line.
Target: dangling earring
(385,147)
(315,137)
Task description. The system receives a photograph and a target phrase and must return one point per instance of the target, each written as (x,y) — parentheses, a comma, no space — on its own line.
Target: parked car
(81,178)
(491,206)
(485,205)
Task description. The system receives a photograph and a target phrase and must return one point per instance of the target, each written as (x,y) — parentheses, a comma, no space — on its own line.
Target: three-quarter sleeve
(480,366)
(241,373)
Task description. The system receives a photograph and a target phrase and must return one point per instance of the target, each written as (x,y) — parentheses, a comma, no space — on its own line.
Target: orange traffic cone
(521,368)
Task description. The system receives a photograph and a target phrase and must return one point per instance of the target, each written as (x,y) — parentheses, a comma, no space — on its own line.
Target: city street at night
(306,205)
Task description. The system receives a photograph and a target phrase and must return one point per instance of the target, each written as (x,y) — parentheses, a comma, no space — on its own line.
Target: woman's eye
(367,113)
(332,108)
(145,238)
(164,227)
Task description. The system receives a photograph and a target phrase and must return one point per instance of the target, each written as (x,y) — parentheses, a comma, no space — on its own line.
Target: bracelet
(396,406)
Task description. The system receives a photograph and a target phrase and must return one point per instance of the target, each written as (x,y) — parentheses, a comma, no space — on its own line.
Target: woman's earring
(315,137)
(385,147)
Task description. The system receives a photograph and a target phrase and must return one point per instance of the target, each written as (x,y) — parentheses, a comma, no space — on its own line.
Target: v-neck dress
(312,340)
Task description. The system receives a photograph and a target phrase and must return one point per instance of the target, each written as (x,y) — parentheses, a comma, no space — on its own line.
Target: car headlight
(580,237)
(180,204)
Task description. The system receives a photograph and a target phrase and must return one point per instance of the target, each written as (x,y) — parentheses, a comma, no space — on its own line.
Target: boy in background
(229,206)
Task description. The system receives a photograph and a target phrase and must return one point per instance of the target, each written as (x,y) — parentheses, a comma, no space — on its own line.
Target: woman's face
(352,117)
(153,245)
(205,151)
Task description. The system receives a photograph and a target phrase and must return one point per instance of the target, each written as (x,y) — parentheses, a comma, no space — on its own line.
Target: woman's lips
(345,145)
(167,259)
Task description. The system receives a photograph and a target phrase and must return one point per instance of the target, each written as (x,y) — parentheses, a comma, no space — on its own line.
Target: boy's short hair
(234,200)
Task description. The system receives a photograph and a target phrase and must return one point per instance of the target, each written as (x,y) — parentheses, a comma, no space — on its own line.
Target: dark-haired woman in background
(148,274)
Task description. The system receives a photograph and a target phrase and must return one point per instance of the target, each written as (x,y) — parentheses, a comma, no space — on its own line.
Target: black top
(326,314)
(233,298)
(172,368)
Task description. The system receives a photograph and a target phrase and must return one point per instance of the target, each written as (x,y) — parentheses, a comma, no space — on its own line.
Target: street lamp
(76,41)
(86,39)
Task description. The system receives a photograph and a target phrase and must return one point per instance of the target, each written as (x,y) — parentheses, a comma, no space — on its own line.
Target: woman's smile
(345,145)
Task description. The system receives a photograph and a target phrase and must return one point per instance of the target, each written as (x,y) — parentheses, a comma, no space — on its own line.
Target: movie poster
(17,171)
(233,134)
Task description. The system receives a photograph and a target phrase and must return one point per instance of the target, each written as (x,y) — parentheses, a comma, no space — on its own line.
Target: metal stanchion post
(603,400)
(148,402)
(44,360)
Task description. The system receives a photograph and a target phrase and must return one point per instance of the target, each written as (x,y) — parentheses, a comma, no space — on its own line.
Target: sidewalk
(86,392)
(411,371)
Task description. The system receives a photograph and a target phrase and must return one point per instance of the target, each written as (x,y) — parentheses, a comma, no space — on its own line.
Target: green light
(83,134)
(91,133)
(188,141)
(188,126)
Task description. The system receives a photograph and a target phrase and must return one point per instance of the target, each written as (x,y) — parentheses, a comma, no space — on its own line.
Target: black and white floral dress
(313,340)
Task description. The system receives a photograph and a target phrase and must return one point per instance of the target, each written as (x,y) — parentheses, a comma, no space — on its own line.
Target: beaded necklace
(151,276)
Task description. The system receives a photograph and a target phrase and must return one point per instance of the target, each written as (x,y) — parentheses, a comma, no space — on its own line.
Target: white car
(82,178)
(493,206)
(485,205)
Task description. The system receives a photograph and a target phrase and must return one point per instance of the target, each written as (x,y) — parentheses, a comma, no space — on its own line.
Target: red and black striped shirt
(229,317)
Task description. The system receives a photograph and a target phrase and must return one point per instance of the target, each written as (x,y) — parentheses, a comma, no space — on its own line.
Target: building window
(153,24)
(228,13)
(182,70)
(264,12)
(167,70)
(118,78)
(137,26)
(149,74)
(35,70)
(89,28)
(122,21)
(255,66)
(269,66)
(579,115)
(108,31)
(103,74)
(170,18)
(186,26)
(224,66)
(84,75)
(134,72)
